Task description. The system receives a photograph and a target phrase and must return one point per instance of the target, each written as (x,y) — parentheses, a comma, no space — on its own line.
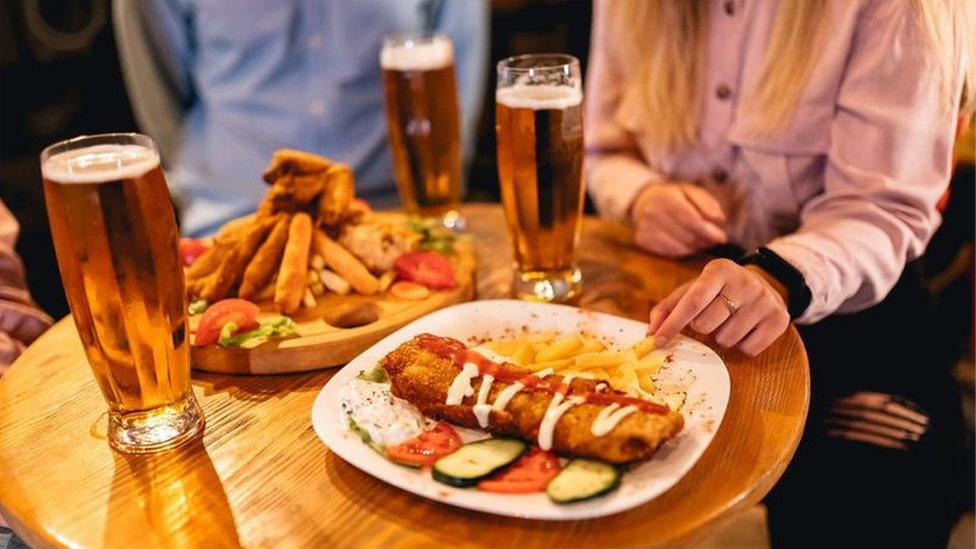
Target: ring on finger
(729,304)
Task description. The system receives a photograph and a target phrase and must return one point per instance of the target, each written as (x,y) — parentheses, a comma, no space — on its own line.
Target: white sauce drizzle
(504,397)
(605,421)
(609,417)
(555,411)
(481,409)
(461,386)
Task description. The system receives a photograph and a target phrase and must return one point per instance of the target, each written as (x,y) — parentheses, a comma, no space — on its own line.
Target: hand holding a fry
(742,306)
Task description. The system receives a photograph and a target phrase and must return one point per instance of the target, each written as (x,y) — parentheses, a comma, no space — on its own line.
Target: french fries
(524,355)
(643,347)
(334,282)
(604,359)
(631,370)
(559,349)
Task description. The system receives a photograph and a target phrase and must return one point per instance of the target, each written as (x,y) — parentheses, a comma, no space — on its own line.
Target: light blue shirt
(221,84)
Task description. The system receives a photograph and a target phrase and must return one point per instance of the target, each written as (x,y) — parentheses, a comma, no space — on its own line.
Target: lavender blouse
(846,192)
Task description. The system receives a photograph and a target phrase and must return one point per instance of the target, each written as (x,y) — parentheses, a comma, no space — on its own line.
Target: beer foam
(417,57)
(539,97)
(100,163)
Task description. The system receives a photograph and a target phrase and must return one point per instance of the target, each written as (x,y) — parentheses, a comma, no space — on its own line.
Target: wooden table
(261,478)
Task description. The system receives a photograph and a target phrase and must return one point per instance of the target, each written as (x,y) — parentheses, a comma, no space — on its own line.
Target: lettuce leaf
(276,327)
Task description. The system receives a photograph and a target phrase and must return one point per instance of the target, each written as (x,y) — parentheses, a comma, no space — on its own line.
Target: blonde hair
(671,39)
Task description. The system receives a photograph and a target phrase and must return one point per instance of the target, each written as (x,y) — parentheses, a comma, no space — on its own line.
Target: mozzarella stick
(345,264)
(262,266)
(218,285)
(290,286)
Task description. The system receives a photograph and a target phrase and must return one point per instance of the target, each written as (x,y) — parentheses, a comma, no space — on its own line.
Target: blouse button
(723,92)
(729,8)
(720,175)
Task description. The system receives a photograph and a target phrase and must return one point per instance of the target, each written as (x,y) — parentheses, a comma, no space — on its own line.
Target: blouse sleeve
(615,169)
(888,163)
(21,320)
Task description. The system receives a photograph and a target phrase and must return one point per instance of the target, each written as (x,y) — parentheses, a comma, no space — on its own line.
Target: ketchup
(458,353)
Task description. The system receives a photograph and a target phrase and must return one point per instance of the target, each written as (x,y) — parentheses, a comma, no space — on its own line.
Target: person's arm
(615,170)
(670,218)
(888,164)
(154,45)
(466,23)
(21,320)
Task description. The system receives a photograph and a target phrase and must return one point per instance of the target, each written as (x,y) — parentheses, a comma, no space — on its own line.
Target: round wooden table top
(261,478)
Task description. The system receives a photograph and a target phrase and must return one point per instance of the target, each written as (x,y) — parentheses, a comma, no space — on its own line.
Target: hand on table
(677,220)
(743,306)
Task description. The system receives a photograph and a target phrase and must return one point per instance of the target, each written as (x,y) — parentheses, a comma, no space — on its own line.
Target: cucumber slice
(477,460)
(582,479)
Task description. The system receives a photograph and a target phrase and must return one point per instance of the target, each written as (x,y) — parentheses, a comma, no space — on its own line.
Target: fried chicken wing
(289,161)
(337,194)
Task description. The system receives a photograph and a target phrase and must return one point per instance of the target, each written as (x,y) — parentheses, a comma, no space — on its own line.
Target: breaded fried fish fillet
(423,370)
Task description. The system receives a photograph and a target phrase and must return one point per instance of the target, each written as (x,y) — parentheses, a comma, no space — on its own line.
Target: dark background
(60,77)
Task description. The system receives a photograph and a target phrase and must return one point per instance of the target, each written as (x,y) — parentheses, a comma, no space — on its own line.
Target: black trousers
(841,493)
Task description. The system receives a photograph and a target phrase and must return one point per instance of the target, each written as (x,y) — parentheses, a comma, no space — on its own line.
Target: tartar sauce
(388,420)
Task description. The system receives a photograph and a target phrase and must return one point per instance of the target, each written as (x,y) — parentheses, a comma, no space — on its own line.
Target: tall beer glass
(539,128)
(422,115)
(116,240)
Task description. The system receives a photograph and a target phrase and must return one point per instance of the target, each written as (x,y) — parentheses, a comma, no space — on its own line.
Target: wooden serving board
(322,339)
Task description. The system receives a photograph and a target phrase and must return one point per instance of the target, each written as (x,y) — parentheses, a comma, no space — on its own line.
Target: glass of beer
(425,133)
(539,128)
(116,239)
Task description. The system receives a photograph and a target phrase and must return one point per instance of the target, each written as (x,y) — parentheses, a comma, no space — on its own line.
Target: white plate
(695,369)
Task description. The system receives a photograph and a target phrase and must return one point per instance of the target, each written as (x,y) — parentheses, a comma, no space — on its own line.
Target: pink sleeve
(888,163)
(615,169)
(21,320)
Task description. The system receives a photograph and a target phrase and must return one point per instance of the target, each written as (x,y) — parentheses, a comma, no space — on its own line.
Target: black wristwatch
(786,274)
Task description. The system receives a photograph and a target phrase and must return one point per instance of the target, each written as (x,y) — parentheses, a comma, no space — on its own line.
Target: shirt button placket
(723,92)
(314,42)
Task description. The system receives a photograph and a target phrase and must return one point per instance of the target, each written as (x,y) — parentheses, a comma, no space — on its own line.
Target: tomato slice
(531,473)
(428,268)
(239,311)
(424,449)
(191,249)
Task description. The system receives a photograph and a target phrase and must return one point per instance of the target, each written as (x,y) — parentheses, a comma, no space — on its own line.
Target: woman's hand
(743,306)
(677,220)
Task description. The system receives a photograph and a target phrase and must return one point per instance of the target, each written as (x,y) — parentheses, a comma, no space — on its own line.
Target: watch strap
(789,276)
